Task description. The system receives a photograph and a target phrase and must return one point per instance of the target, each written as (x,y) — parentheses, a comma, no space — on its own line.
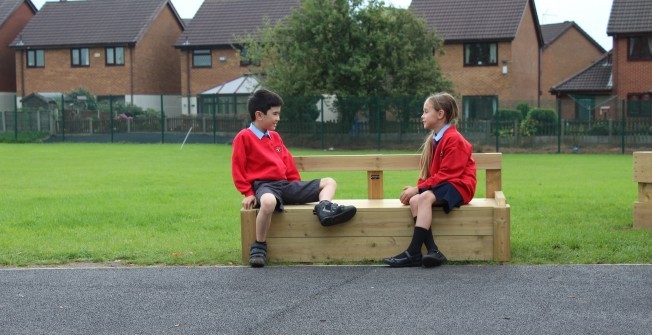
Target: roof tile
(630,16)
(596,77)
(220,22)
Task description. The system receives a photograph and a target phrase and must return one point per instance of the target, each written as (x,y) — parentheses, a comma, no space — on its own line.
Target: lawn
(160,204)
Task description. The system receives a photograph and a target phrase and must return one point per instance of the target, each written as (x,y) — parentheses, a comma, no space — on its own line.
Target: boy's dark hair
(262,100)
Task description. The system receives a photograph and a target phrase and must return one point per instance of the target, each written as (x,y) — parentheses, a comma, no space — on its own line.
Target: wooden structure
(643,176)
(384,227)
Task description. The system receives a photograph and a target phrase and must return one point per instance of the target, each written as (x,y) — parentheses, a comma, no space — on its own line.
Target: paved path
(453,299)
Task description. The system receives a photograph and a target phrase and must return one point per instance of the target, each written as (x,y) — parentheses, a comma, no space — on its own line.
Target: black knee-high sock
(419,236)
(430,240)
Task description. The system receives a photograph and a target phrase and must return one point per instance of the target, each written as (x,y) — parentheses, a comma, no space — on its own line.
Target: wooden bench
(384,227)
(643,176)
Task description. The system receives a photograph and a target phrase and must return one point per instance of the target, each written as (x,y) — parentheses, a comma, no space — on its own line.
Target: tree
(350,48)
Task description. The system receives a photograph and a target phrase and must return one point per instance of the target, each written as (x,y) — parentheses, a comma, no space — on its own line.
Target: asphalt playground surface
(452,299)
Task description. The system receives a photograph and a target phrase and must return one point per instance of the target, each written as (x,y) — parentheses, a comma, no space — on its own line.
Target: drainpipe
(22,74)
(539,80)
(188,78)
(131,72)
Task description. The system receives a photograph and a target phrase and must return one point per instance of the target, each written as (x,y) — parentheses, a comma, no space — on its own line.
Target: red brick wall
(630,76)
(8,32)
(565,57)
(520,83)
(155,66)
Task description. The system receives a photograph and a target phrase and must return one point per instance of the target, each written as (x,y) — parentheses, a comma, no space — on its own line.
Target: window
(640,48)
(639,104)
(480,54)
(226,104)
(479,107)
(79,57)
(245,59)
(115,56)
(36,58)
(201,58)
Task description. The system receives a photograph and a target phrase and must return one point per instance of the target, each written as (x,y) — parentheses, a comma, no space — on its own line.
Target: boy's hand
(249,202)
(408,193)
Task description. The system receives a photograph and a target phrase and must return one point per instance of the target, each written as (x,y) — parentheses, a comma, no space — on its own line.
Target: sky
(591,15)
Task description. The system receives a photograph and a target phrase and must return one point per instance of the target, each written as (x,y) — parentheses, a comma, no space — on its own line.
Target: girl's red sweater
(260,159)
(452,162)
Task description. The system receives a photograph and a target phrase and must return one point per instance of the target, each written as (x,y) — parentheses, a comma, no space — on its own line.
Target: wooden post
(502,242)
(247,231)
(375,184)
(643,176)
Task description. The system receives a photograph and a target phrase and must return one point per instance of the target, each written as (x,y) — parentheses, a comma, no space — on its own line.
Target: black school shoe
(331,213)
(404,259)
(258,255)
(433,258)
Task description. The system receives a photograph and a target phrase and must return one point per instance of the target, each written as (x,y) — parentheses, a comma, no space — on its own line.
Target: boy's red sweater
(452,162)
(260,159)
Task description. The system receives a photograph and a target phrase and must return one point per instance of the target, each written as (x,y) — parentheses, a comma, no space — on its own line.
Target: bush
(509,115)
(543,115)
(524,108)
(529,127)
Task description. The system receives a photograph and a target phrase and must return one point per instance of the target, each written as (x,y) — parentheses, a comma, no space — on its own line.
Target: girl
(447,178)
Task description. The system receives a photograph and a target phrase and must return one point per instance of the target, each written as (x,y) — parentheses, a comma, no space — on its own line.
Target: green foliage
(543,115)
(528,127)
(509,115)
(89,102)
(348,48)
(524,108)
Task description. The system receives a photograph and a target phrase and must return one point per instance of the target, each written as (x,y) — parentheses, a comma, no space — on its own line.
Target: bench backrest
(491,163)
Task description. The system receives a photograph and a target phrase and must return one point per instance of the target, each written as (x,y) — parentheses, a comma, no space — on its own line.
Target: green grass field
(157,204)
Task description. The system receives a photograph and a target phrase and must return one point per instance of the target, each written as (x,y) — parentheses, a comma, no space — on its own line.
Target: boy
(264,172)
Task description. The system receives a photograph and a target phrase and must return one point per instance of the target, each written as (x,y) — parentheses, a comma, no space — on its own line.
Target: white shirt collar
(257,132)
(440,134)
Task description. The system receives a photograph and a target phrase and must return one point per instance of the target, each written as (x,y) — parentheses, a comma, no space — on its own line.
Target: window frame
(647,48)
(79,52)
(201,54)
(467,61)
(114,53)
(34,53)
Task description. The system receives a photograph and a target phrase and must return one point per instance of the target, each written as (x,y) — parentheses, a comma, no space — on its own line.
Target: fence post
(322,122)
(4,120)
(111,116)
(558,124)
(63,119)
(214,112)
(162,121)
(622,113)
(378,125)
(15,120)
(497,130)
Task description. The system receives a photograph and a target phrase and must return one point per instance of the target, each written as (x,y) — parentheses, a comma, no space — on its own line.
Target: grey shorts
(447,196)
(296,192)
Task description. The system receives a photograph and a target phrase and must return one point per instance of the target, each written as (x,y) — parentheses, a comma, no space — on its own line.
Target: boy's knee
(267,201)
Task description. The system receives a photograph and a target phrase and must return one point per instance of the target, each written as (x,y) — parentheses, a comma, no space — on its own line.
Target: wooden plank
(643,166)
(375,184)
(643,215)
(502,244)
(645,192)
(483,161)
(247,231)
(372,248)
(499,196)
(368,222)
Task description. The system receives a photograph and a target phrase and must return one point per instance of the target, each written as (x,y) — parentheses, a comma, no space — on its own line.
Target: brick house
(630,26)
(567,49)
(119,48)
(14,16)
(210,50)
(492,51)
(622,74)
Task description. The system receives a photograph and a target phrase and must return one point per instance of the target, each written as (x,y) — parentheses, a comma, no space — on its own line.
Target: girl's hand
(249,202)
(408,193)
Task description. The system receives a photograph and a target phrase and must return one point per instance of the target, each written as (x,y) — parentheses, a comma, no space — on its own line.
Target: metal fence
(368,123)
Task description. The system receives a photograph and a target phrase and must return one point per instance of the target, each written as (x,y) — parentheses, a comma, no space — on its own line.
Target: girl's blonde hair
(440,101)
